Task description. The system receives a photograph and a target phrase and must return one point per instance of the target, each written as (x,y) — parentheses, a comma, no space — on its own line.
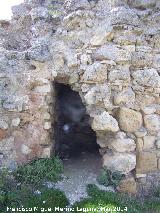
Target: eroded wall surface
(108,51)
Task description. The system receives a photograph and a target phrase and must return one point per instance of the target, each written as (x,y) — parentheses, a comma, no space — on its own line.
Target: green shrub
(113,201)
(106,177)
(40,170)
(25,196)
(16,188)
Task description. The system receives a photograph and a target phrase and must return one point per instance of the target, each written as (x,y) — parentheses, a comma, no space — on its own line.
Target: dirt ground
(78,173)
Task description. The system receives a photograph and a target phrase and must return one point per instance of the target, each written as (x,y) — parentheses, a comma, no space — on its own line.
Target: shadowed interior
(73,133)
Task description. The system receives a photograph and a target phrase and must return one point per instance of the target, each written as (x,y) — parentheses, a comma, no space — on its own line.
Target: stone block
(152,122)
(46,116)
(16,122)
(122,145)
(125,98)
(39,13)
(158,143)
(149,142)
(73,78)
(122,162)
(3,134)
(123,16)
(105,122)
(101,36)
(47,125)
(141,132)
(129,120)
(58,60)
(112,52)
(46,152)
(146,162)
(122,75)
(143,4)
(96,72)
(149,110)
(43,89)
(3,124)
(128,185)
(139,146)
(45,139)
(39,51)
(147,77)
(141,175)
(141,59)
(72,60)
(85,59)
(25,149)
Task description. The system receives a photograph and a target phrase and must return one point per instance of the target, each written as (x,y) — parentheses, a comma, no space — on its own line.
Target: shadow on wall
(73,133)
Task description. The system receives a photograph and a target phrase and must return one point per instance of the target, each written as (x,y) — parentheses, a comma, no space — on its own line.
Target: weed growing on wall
(107,177)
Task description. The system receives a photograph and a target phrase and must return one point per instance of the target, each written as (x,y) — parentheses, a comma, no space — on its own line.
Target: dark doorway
(73,133)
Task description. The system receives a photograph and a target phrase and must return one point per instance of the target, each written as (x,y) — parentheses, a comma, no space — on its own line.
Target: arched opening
(75,143)
(73,132)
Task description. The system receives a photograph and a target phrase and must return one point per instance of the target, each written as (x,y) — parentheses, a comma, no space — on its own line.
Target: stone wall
(108,51)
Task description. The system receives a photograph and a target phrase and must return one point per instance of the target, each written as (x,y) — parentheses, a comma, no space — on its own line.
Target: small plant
(40,170)
(106,178)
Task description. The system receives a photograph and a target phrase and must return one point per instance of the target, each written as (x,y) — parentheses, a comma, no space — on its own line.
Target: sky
(5,8)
